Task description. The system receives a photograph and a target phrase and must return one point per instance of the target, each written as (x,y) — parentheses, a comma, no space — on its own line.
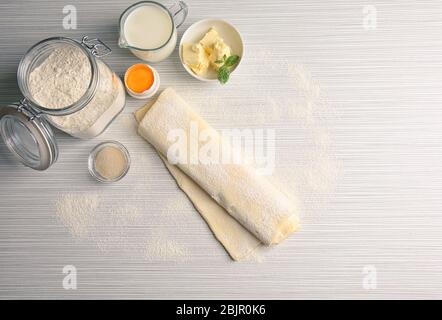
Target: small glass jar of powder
(109,161)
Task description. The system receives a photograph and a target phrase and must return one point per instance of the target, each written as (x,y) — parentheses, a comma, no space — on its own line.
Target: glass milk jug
(148,29)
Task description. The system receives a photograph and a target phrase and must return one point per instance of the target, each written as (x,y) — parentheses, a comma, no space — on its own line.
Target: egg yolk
(139,78)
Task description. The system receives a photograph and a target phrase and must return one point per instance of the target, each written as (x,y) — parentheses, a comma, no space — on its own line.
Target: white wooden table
(384,220)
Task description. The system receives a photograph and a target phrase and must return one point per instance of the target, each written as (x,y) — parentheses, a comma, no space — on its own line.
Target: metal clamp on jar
(25,127)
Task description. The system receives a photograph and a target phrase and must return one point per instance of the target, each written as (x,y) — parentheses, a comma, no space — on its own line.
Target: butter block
(209,38)
(195,57)
(220,49)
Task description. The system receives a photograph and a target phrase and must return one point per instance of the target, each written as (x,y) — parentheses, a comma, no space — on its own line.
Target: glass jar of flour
(65,85)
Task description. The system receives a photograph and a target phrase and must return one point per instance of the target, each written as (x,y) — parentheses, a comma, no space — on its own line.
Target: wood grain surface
(386,214)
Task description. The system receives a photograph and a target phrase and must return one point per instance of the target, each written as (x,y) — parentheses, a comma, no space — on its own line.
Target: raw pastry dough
(237,241)
(248,197)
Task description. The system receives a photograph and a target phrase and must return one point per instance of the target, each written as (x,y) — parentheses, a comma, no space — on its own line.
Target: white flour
(165,249)
(77,212)
(63,78)
(116,227)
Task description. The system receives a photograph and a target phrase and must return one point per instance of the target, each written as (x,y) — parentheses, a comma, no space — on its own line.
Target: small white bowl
(226,31)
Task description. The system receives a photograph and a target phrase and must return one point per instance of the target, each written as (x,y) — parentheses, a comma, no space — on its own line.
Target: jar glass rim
(131,8)
(25,66)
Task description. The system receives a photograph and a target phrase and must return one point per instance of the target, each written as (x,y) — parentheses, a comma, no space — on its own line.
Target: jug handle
(177,8)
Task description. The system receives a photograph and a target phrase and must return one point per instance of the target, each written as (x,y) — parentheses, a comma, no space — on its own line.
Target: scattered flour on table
(117,227)
(166,249)
(77,212)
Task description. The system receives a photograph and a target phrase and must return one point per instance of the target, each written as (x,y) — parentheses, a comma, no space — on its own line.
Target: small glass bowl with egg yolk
(141,81)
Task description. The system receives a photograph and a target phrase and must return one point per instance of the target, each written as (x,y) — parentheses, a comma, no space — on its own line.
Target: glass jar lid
(28,136)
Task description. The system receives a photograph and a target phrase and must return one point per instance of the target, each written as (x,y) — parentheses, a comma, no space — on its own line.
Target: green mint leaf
(231,61)
(219,61)
(223,74)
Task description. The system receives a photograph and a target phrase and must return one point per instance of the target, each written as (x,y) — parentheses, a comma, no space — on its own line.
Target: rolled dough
(238,242)
(235,191)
